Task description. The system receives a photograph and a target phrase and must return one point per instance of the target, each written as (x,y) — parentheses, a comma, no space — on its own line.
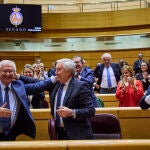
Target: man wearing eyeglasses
(15,116)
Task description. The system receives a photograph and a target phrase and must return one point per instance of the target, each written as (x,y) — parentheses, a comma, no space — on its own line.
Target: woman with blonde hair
(36,100)
(129,90)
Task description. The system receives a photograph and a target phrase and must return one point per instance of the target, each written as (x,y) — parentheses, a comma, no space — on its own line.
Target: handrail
(67,6)
(77,144)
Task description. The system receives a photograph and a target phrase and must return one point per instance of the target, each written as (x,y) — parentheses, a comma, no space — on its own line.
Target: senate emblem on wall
(16,17)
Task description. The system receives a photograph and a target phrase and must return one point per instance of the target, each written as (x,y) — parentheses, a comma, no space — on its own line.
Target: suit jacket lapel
(69,90)
(21,94)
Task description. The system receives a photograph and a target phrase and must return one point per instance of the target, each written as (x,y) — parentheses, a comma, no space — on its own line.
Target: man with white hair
(109,75)
(15,116)
(71,102)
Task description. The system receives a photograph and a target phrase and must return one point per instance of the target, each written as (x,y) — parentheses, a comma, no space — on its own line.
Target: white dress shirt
(147,99)
(62,100)
(13,101)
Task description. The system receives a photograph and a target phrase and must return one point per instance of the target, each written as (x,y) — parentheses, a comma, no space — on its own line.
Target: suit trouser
(10,137)
(62,135)
(107,90)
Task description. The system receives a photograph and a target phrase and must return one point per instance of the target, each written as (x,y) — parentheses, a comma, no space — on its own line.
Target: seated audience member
(109,75)
(122,63)
(84,73)
(38,61)
(145,100)
(43,72)
(125,63)
(143,76)
(36,100)
(36,71)
(71,102)
(137,64)
(129,90)
(51,71)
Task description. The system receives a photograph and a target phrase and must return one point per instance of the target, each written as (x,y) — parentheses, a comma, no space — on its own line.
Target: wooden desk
(135,123)
(108,99)
(109,145)
(77,145)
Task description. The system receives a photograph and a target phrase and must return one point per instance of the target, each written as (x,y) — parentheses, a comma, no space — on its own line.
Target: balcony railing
(67,6)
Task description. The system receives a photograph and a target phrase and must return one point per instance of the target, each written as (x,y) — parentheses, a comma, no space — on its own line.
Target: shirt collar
(67,82)
(3,86)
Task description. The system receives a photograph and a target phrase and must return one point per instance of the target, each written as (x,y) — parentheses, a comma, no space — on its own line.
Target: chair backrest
(52,129)
(105,126)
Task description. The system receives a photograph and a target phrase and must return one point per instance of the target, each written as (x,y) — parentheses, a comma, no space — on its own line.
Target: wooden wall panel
(97,19)
(107,23)
(91,57)
(20,58)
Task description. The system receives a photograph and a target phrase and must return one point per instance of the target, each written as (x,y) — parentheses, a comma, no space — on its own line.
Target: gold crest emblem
(16,17)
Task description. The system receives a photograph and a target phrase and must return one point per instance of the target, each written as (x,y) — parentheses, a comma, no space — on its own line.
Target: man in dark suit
(115,74)
(84,73)
(76,106)
(21,121)
(96,70)
(137,64)
(75,103)
(145,100)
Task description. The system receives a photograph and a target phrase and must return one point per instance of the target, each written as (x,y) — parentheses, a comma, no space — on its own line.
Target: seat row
(134,122)
(109,100)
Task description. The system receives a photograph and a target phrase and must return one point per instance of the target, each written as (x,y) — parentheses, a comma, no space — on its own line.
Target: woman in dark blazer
(143,75)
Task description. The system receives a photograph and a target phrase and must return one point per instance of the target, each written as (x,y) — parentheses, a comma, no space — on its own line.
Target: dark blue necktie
(108,78)
(6,120)
(59,95)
